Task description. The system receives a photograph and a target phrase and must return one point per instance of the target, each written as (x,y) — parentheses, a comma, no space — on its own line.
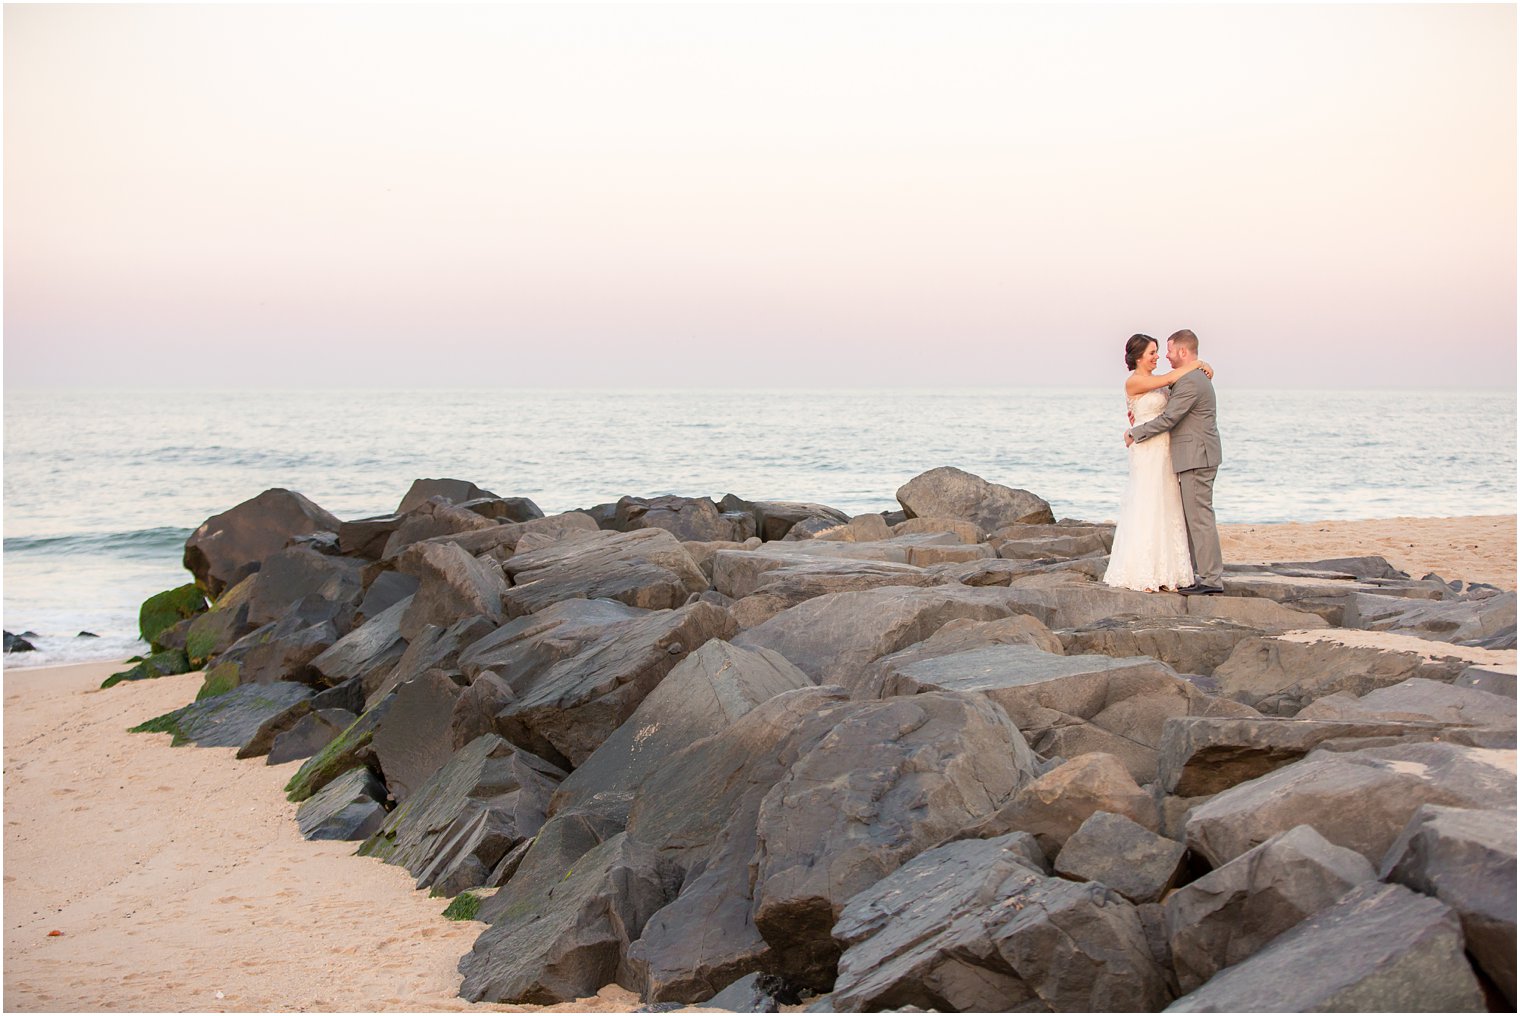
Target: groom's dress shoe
(1197,589)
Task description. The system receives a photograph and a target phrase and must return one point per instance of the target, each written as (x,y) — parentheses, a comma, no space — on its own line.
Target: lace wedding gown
(1150,543)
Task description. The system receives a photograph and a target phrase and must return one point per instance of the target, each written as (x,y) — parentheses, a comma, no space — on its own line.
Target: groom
(1189,415)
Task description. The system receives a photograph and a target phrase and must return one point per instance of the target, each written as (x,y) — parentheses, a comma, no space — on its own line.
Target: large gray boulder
(1466,859)
(1360,799)
(1489,621)
(432,648)
(775,519)
(229,547)
(281,650)
(700,808)
(1056,804)
(686,518)
(833,638)
(703,694)
(890,779)
(412,742)
(571,707)
(646,568)
(1122,855)
(1380,948)
(459,824)
(452,585)
(1228,915)
(501,540)
(1281,674)
(295,572)
(309,735)
(571,941)
(975,926)
(524,647)
(948,492)
(351,807)
(434,520)
(450,491)
(368,651)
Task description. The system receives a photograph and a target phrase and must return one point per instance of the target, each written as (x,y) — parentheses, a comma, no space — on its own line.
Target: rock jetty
(749,753)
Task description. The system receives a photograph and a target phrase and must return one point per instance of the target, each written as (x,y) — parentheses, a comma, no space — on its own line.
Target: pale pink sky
(757,196)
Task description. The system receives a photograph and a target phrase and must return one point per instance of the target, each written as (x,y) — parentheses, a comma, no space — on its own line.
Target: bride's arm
(1137,385)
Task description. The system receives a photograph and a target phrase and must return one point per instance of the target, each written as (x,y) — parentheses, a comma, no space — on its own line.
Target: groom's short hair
(1184,338)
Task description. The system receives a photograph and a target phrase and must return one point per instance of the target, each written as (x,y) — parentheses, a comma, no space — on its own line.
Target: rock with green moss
(162,610)
(171,661)
(230,720)
(219,680)
(349,749)
(216,630)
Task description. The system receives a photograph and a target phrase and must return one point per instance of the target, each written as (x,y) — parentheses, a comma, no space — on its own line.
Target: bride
(1151,542)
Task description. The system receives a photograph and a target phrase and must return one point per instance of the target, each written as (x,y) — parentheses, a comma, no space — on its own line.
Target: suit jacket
(1189,415)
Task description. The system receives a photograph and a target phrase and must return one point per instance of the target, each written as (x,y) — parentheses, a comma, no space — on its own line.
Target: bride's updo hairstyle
(1135,348)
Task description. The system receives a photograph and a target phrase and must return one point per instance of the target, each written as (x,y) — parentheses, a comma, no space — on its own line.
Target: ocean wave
(153,542)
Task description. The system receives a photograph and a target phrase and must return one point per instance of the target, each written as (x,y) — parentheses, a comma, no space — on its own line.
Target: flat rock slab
(440,826)
(1492,678)
(1228,915)
(1281,674)
(524,647)
(232,719)
(890,675)
(833,638)
(1070,705)
(574,705)
(1419,700)
(1122,855)
(778,589)
(1361,799)
(1381,948)
(1465,859)
(1203,755)
(972,926)
(1190,645)
(646,568)
(351,807)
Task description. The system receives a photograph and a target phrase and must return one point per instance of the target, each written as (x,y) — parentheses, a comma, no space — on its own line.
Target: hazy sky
(563,196)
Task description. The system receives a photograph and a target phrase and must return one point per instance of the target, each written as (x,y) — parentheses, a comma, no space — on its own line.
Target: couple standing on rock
(1166,539)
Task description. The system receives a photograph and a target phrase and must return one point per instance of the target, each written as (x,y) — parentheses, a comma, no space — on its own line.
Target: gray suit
(1189,416)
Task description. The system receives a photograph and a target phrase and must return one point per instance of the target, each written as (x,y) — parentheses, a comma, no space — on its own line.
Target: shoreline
(1473,548)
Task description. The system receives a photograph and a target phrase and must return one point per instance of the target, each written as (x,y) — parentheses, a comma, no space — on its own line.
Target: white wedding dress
(1151,542)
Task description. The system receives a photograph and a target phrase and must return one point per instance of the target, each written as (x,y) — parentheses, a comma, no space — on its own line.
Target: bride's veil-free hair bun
(1134,349)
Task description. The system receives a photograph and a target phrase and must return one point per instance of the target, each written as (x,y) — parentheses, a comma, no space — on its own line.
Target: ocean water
(101,488)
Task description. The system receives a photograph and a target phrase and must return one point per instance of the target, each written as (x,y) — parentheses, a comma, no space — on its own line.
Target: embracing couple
(1166,540)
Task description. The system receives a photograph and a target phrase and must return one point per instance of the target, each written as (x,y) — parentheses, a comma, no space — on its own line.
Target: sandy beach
(1473,548)
(176,878)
